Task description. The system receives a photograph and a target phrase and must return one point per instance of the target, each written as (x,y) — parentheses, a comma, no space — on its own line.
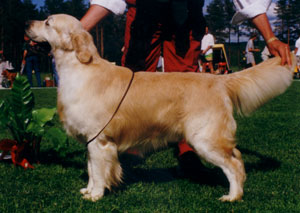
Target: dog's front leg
(89,187)
(103,167)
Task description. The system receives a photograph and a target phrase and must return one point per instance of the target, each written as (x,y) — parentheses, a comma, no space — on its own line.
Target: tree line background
(109,34)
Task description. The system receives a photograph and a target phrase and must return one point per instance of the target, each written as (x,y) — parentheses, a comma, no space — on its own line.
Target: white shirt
(266,51)
(115,6)
(250,45)
(2,67)
(246,9)
(207,40)
(297,45)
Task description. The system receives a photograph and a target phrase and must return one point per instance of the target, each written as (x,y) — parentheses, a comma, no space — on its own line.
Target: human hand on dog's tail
(276,47)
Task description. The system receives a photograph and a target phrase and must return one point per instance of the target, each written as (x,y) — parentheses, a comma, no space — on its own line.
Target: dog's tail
(252,87)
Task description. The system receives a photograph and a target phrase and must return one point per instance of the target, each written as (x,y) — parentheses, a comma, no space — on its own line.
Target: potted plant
(26,124)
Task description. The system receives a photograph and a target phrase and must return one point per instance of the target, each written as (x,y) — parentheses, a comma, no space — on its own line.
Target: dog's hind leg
(235,172)
(103,167)
(228,158)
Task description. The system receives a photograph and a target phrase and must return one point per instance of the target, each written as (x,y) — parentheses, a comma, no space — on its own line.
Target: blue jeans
(32,63)
(55,74)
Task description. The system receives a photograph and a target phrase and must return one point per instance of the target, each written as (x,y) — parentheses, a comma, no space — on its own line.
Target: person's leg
(177,63)
(250,59)
(209,59)
(130,16)
(55,74)
(36,67)
(28,68)
(133,57)
(211,67)
(189,163)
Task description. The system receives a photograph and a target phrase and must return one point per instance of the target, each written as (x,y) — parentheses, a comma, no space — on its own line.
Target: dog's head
(63,32)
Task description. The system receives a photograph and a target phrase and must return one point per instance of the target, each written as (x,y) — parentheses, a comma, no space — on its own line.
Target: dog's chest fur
(71,103)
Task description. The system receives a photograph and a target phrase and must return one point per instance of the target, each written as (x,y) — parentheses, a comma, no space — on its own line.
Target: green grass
(269,140)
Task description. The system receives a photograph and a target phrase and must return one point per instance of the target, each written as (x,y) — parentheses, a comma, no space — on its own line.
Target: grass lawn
(269,140)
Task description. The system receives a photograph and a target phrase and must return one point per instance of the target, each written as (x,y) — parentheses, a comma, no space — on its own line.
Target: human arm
(99,9)
(24,53)
(250,46)
(94,14)
(255,10)
(207,48)
(24,56)
(276,47)
(253,50)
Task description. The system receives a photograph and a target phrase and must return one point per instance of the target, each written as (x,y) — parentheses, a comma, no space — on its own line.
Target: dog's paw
(92,198)
(228,198)
(94,195)
(85,191)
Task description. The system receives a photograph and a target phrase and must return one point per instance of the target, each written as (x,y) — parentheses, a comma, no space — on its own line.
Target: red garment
(172,61)
(158,42)
(17,157)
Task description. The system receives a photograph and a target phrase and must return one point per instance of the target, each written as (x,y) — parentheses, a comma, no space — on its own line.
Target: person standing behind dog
(31,60)
(182,46)
(206,53)
(250,50)
(173,29)
(246,10)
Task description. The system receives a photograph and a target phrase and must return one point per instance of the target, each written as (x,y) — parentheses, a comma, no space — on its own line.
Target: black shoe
(190,166)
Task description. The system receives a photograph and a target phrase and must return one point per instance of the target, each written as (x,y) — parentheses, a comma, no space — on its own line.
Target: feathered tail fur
(251,88)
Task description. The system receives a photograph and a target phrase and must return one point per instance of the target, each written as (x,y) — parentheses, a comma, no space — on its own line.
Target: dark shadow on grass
(51,157)
(132,174)
(207,176)
(264,163)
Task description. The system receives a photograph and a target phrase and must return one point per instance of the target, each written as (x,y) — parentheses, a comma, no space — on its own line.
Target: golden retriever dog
(158,108)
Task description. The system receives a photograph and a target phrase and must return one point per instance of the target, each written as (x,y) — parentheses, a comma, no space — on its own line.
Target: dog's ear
(66,44)
(81,42)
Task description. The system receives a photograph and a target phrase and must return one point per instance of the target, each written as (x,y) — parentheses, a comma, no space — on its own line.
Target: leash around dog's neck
(115,112)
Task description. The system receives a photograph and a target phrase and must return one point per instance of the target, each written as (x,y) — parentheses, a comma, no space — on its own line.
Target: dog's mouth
(31,34)
(33,37)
